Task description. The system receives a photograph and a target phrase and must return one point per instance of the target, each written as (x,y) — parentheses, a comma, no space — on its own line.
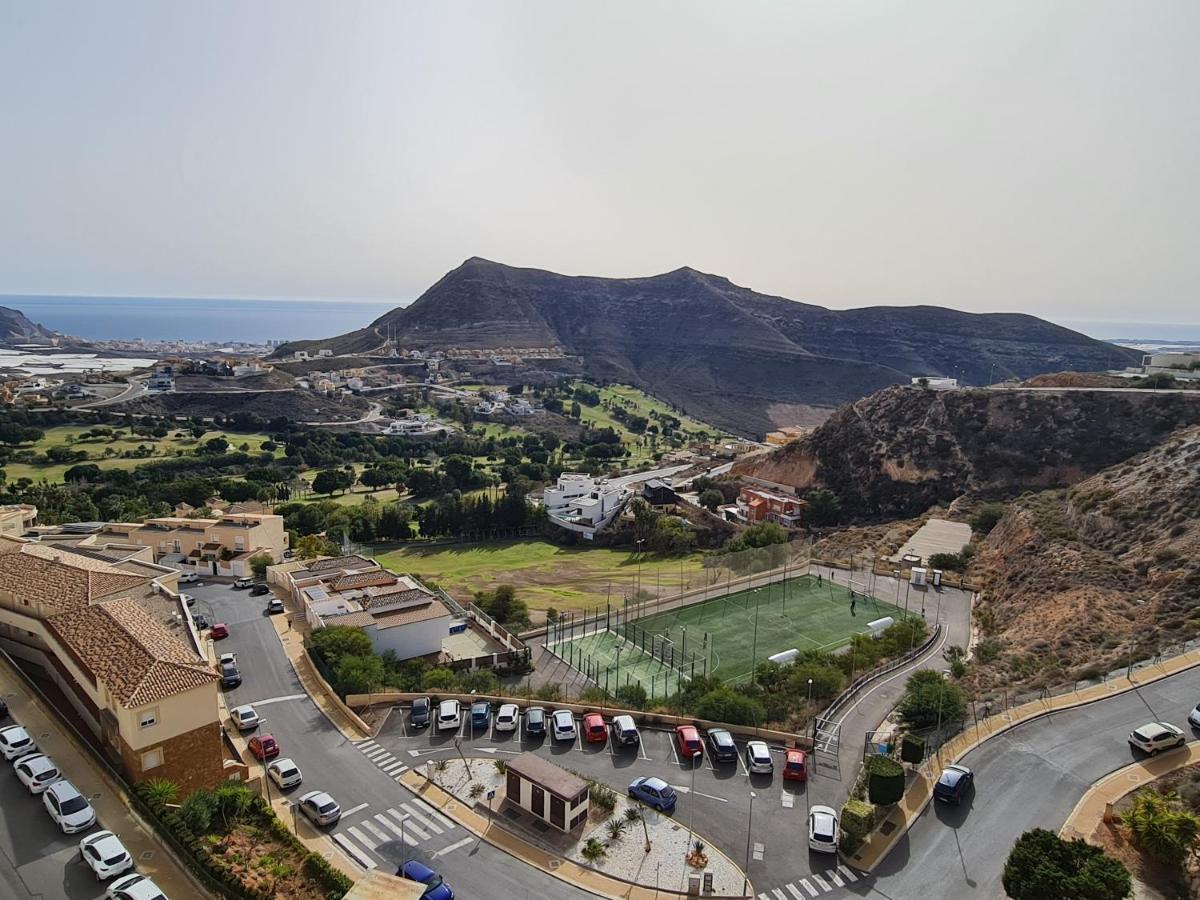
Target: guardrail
(862,681)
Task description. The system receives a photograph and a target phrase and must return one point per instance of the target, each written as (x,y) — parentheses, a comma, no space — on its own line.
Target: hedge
(885,780)
(912,749)
(858,818)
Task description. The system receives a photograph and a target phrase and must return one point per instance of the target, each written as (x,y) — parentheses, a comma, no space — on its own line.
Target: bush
(602,797)
(632,696)
(857,820)
(335,882)
(929,699)
(1159,827)
(885,780)
(912,749)
(986,517)
(1042,866)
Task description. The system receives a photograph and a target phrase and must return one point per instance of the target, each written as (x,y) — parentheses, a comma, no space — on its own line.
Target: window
(148,718)
(152,759)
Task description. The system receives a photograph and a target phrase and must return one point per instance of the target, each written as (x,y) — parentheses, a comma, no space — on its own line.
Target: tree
(711,498)
(986,517)
(1160,826)
(336,641)
(632,696)
(327,481)
(313,545)
(89,472)
(929,698)
(359,674)
(822,507)
(259,563)
(724,705)
(1043,866)
(215,446)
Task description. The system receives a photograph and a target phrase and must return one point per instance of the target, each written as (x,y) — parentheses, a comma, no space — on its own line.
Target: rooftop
(332,563)
(61,580)
(552,778)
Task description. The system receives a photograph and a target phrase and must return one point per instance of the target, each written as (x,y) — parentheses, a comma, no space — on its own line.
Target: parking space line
(742,766)
(425,823)
(409,827)
(433,813)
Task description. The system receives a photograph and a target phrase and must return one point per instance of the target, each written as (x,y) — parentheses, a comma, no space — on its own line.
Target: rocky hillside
(896,453)
(742,360)
(15,328)
(1076,580)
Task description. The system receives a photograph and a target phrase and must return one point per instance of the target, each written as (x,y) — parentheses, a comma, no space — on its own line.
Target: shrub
(615,829)
(986,517)
(912,749)
(631,695)
(885,780)
(602,797)
(929,699)
(1042,866)
(593,850)
(334,881)
(857,820)
(1160,827)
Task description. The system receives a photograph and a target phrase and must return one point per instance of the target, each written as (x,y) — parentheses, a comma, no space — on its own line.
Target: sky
(1017,156)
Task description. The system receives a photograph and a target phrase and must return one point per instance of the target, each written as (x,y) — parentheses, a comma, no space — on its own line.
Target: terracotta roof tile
(60,580)
(378,577)
(339,562)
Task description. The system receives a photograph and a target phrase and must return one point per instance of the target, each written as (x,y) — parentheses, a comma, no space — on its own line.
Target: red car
(688,739)
(795,767)
(593,728)
(264,747)
(218,631)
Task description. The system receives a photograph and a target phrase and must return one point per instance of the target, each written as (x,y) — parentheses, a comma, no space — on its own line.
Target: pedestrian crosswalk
(383,759)
(813,886)
(409,822)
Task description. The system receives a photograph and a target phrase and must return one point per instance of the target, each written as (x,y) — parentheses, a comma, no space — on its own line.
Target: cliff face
(15,328)
(898,452)
(1077,582)
(725,353)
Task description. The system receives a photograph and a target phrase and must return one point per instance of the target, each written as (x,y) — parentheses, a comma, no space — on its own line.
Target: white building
(582,504)
(936,383)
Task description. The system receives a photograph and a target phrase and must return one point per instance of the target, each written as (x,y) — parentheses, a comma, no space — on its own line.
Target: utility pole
(746,867)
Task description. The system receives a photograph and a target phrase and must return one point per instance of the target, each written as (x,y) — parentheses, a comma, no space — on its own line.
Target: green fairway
(799,613)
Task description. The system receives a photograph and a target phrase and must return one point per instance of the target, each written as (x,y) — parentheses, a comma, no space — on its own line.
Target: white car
(36,771)
(285,773)
(758,758)
(68,808)
(1194,717)
(1155,736)
(244,717)
(15,741)
(187,598)
(449,715)
(134,887)
(227,659)
(188,577)
(507,717)
(243,583)
(105,854)
(320,808)
(822,829)
(562,725)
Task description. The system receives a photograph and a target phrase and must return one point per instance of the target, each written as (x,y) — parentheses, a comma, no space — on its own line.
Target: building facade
(551,793)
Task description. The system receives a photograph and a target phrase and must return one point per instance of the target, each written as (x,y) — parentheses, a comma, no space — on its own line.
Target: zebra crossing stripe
(847,873)
(365,745)
(362,838)
(385,760)
(377,752)
(779,894)
(425,823)
(353,852)
(808,887)
(763,897)
(409,827)
(794,891)
(378,832)
(395,829)
(820,883)
(837,879)
(433,813)
(392,767)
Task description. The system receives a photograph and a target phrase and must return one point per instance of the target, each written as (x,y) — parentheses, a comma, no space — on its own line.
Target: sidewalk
(153,858)
(901,818)
(583,877)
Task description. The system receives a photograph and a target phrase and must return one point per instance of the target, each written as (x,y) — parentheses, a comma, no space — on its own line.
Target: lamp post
(403,846)
(814,718)
(746,868)
(618,648)
(692,793)
(638,590)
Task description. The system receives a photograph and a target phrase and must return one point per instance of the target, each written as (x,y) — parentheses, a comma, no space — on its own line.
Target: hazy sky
(1031,156)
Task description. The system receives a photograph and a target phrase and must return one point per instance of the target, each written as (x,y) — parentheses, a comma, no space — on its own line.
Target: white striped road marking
(778,893)
(684,789)
(424,822)
(354,809)
(365,745)
(353,852)
(452,847)
(376,752)
(393,767)
(794,891)
(847,873)
(409,827)
(433,813)
(820,883)
(837,879)
(808,887)
(271,700)
(362,838)
(378,832)
(395,829)
(385,760)
(759,850)
(763,897)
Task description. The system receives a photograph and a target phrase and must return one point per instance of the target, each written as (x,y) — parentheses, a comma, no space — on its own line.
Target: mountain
(15,328)
(743,360)
(896,453)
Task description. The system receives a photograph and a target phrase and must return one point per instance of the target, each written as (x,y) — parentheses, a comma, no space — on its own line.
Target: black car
(230,676)
(419,717)
(535,721)
(722,747)
(954,784)
(201,622)
(259,589)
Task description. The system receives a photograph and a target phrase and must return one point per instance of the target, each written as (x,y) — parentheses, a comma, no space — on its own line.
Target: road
(371,799)
(1031,776)
(640,477)
(373,414)
(135,388)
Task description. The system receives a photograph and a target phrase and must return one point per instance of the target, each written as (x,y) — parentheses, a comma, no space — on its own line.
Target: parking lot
(714,797)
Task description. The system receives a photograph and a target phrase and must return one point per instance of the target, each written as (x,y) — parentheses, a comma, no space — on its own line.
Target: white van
(624,731)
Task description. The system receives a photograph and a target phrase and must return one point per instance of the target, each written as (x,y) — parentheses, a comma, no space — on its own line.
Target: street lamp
(814,718)
(403,846)
(692,818)
(746,868)
(618,649)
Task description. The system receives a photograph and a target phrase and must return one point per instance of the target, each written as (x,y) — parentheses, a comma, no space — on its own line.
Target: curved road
(1031,776)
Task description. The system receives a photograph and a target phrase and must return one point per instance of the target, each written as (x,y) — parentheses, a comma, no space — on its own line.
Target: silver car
(285,773)
(320,808)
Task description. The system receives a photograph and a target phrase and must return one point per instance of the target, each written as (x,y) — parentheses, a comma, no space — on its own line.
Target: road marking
(808,887)
(409,827)
(377,752)
(763,897)
(353,852)
(354,809)
(794,891)
(433,813)
(837,879)
(386,759)
(787,799)
(395,829)
(416,753)
(396,766)
(759,850)
(684,789)
(778,893)
(365,745)
(271,700)
(425,823)
(378,832)
(820,883)
(362,838)
(452,847)
(847,873)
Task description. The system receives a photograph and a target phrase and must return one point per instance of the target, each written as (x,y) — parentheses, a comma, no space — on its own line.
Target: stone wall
(191,760)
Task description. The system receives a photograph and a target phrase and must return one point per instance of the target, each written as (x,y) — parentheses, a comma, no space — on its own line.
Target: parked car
(822,829)
(449,715)
(795,765)
(593,728)
(758,758)
(1156,736)
(285,773)
(435,887)
(1193,717)
(36,771)
(219,631)
(563,725)
(259,589)
(721,747)
(535,722)
(105,855)
(188,577)
(653,792)
(624,731)
(188,599)
(507,717)
(481,714)
(263,746)
(688,740)
(274,606)
(230,676)
(68,808)
(419,716)
(242,583)
(320,808)
(953,784)
(15,741)
(201,621)
(244,718)
(134,887)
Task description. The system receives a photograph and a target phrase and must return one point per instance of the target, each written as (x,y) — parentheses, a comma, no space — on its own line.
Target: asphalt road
(371,799)
(1031,776)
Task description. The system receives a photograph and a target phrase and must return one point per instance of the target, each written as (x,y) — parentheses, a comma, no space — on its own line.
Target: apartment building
(222,545)
(761,505)
(121,648)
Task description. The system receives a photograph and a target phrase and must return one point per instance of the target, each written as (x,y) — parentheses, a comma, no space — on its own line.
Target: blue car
(481,714)
(653,792)
(435,888)
(954,784)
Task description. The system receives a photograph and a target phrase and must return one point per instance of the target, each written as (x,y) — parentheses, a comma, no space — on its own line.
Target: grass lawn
(543,573)
(597,654)
(807,616)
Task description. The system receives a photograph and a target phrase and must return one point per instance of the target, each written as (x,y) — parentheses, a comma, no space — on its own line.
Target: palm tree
(615,828)
(593,850)
(160,792)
